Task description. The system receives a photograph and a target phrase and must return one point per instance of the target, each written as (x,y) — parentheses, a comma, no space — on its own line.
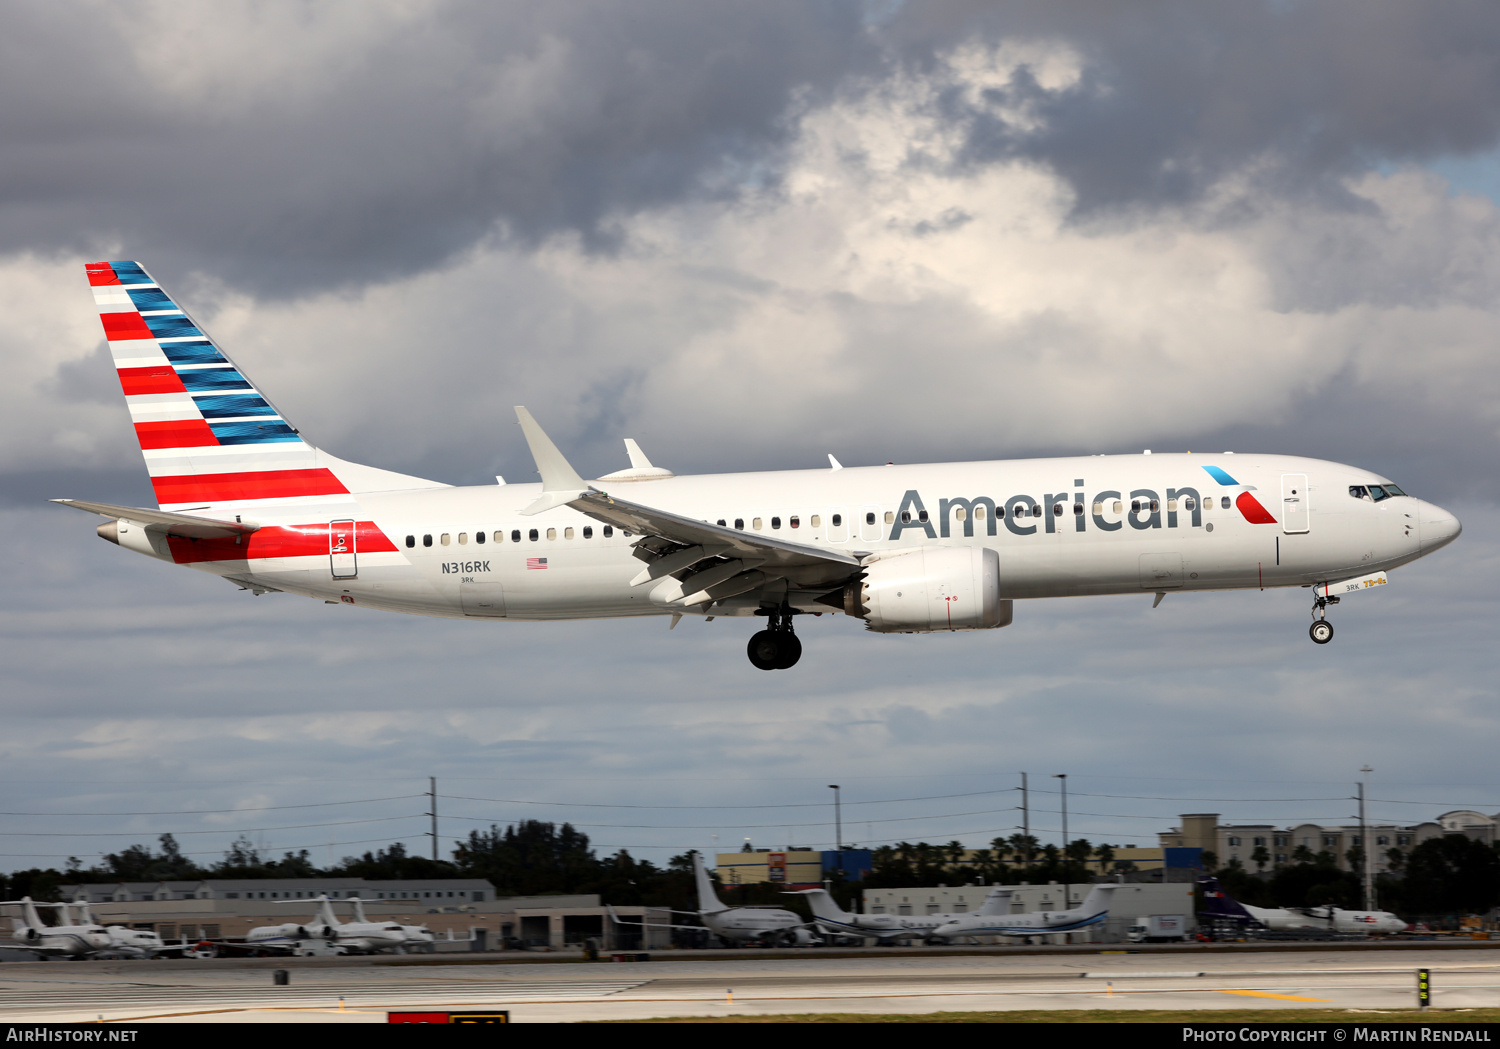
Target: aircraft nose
(1438,527)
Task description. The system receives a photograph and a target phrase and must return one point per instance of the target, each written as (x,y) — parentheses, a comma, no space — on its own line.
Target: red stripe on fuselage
(177,433)
(100,274)
(305,540)
(159,378)
(122,327)
(1253,511)
(263,484)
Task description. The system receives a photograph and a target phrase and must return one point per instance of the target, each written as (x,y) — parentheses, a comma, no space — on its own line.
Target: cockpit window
(1391,489)
(1358,491)
(1376,492)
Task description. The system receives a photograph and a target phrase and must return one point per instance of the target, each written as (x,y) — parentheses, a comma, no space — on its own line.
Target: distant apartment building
(1264,846)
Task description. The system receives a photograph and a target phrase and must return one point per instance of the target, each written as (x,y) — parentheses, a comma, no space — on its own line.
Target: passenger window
(444,539)
(1135,506)
(1057,509)
(1155,506)
(978,513)
(1098,508)
(1172,506)
(532,535)
(588,531)
(816,522)
(1077,509)
(1189,503)
(739,522)
(499,536)
(922,516)
(795,522)
(775,522)
(411,541)
(479,538)
(552,533)
(427,540)
(960,514)
(869,518)
(906,517)
(463,538)
(838,519)
(567,533)
(1224,502)
(608,531)
(755,523)
(515,535)
(1021,510)
(890,518)
(720,522)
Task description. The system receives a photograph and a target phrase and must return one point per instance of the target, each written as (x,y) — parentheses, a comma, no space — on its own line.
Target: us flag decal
(536,562)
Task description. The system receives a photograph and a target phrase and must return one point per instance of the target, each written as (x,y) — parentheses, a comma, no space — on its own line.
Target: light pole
(1364,843)
(838,828)
(1067,904)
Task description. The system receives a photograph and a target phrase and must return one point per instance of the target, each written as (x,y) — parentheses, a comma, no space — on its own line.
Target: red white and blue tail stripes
(208,435)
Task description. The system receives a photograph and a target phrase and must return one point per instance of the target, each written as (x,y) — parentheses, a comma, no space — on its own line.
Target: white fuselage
(1279,919)
(749,924)
(420,551)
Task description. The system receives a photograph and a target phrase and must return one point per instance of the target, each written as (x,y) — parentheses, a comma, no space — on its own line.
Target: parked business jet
(1219,905)
(326,934)
(768,926)
(123,942)
(832,918)
(1092,911)
(417,937)
(30,933)
(907,549)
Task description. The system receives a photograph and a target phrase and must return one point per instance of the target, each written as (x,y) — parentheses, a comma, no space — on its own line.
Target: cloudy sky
(749,234)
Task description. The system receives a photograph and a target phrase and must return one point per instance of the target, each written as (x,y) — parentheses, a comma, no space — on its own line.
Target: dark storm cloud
(388,156)
(1176,95)
(340,152)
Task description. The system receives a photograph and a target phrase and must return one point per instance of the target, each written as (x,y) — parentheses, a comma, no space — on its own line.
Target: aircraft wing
(184,525)
(686,532)
(655,925)
(708,562)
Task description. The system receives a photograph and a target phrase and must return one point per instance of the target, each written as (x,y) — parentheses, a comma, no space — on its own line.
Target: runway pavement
(546,991)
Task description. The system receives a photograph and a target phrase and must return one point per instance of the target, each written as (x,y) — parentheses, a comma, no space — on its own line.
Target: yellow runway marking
(1268,994)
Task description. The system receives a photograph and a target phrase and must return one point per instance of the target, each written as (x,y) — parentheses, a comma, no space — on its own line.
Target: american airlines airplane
(907,549)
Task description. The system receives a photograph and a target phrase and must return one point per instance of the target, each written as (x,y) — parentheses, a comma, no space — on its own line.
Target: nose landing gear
(775,648)
(1322,630)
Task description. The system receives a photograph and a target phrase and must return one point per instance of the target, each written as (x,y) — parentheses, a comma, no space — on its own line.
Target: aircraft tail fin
(1098,900)
(997,901)
(823,906)
(708,900)
(1219,904)
(208,434)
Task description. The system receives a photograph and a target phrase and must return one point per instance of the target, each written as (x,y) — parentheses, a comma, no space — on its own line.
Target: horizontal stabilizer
(184,525)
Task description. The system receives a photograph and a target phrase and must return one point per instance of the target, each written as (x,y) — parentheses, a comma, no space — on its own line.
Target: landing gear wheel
(791,650)
(776,647)
(1321,632)
(764,651)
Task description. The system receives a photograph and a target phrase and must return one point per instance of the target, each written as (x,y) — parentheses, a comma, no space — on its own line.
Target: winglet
(560,482)
(833,463)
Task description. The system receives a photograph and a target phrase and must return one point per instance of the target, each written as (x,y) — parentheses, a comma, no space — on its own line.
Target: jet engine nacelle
(931,589)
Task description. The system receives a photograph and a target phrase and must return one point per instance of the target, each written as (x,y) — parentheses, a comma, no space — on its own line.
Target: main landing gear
(1322,630)
(775,648)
